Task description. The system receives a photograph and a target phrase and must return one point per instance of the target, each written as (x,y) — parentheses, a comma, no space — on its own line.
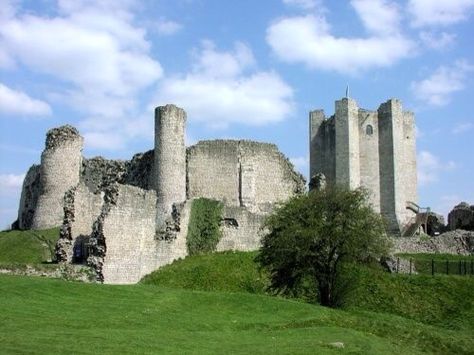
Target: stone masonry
(372,149)
(125,219)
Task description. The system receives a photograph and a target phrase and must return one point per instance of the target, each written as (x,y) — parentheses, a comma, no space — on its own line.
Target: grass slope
(27,247)
(52,316)
(444,301)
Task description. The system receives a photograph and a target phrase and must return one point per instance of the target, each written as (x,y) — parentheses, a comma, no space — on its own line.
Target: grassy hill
(216,303)
(27,247)
(52,316)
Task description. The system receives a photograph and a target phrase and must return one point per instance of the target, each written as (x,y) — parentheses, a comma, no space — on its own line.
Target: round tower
(169,178)
(61,163)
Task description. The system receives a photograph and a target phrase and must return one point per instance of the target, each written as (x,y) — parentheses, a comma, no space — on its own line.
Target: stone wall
(369,155)
(241,229)
(61,163)
(241,173)
(124,244)
(29,197)
(81,209)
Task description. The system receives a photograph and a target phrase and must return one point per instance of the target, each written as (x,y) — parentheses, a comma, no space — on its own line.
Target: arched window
(369,130)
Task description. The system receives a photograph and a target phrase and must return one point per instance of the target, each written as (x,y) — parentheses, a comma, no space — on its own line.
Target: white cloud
(13,102)
(437,89)
(308,40)
(439,12)
(430,167)
(303,4)
(437,41)
(10,183)
(463,128)
(223,88)
(99,57)
(378,16)
(167,27)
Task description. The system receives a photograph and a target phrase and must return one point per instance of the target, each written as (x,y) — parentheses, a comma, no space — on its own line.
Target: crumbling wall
(61,162)
(98,173)
(241,173)
(241,229)
(81,209)
(123,244)
(461,217)
(139,170)
(29,197)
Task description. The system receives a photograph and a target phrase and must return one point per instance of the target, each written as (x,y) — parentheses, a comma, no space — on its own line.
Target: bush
(204,226)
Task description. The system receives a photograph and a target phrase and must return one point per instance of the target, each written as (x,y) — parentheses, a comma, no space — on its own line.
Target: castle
(126,219)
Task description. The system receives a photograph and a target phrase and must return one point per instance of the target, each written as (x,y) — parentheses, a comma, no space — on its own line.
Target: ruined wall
(213,171)
(61,162)
(29,197)
(82,206)
(461,217)
(98,173)
(169,176)
(369,155)
(241,173)
(124,235)
(347,143)
(241,229)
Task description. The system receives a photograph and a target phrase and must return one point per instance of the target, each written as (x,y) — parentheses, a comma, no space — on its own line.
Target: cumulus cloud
(13,102)
(430,167)
(439,12)
(308,40)
(437,89)
(378,16)
(98,55)
(224,88)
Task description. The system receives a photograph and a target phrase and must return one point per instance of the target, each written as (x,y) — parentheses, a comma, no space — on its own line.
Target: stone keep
(125,219)
(373,149)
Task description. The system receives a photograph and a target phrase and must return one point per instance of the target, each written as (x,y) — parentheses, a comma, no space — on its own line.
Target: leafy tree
(311,235)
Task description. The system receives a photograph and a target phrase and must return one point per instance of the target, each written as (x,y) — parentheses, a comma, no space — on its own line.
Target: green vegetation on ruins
(204,226)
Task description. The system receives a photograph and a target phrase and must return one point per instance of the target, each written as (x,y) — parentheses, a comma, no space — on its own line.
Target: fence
(446,267)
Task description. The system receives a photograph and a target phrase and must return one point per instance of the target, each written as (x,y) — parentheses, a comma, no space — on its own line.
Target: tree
(311,235)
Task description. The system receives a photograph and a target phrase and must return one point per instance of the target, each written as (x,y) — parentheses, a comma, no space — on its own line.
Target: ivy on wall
(204,226)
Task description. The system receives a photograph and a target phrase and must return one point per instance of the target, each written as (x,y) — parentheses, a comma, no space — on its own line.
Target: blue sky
(241,69)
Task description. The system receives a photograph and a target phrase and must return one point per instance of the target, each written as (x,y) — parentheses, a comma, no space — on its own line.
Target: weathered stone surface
(458,242)
(61,163)
(241,173)
(241,229)
(372,149)
(139,170)
(98,173)
(395,264)
(29,197)
(461,217)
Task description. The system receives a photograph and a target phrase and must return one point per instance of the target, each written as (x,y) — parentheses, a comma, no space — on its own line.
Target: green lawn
(52,316)
(27,247)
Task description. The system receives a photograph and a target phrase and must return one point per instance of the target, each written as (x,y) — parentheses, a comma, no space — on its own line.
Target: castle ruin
(126,219)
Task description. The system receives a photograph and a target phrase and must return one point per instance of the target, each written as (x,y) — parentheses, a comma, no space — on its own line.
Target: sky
(241,69)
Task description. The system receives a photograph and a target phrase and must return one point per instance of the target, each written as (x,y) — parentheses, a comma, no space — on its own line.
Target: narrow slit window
(369,130)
